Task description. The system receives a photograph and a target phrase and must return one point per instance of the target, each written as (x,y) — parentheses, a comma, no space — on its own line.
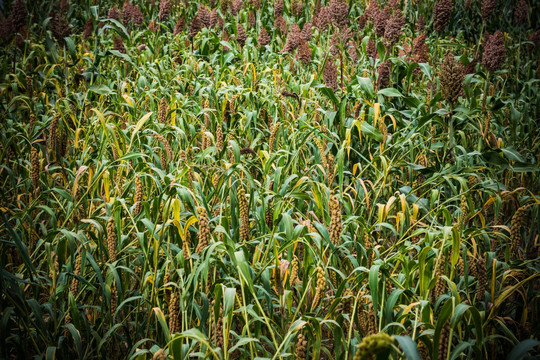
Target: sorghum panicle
(330,74)
(301,347)
(244,214)
(451,78)
(372,344)
(111,239)
(442,12)
(204,230)
(319,288)
(494,53)
(174,313)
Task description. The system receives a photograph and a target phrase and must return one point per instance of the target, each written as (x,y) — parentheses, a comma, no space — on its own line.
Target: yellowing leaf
(355,169)
(76,182)
(176,209)
(377,112)
(77,133)
(416,208)
(380,213)
(107,185)
(403,201)
(192,220)
(407,310)
(128,99)
(389,205)
(392,118)
(365,192)
(140,124)
(358,125)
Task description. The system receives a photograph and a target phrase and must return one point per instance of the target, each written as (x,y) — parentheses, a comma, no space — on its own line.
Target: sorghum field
(295,179)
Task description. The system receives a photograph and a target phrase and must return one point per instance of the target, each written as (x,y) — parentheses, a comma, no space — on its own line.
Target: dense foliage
(251,179)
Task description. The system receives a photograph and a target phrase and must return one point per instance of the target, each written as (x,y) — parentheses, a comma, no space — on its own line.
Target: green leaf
(512,154)
(459,349)
(20,247)
(228,298)
(366,86)
(390,92)
(342,114)
(76,338)
(71,48)
(374,286)
(105,338)
(52,52)
(200,338)
(140,124)
(329,93)
(522,348)
(244,269)
(494,158)
(51,353)
(444,315)
(370,131)
(120,55)
(390,303)
(116,26)
(161,319)
(381,50)
(243,341)
(426,69)
(175,347)
(132,155)
(409,347)
(100,89)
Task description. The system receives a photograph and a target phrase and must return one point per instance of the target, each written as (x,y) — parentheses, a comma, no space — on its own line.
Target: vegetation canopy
(254,179)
